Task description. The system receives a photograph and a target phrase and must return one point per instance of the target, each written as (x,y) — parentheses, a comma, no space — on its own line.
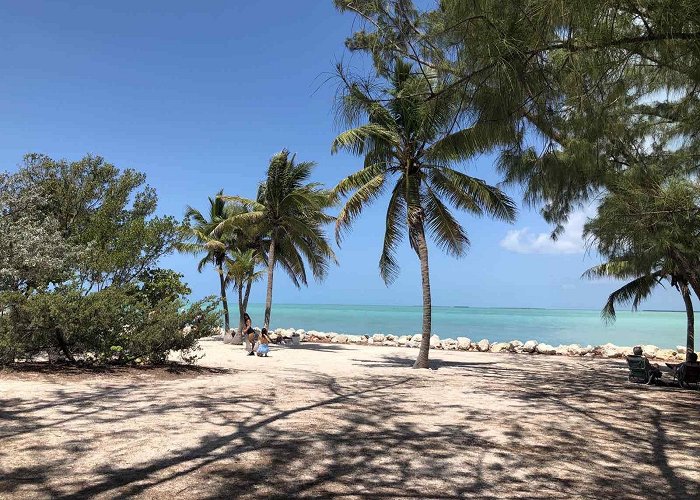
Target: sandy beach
(349,421)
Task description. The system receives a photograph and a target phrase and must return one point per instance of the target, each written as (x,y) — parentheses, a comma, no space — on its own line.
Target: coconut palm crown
(290,212)
(410,146)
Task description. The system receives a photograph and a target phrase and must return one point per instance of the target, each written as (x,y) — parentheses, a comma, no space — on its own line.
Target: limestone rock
(391,337)
(378,338)
(390,343)
(340,339)
(417,337)
(545,349)
(530,346)
(680,349)
(403,340)
(435,342)
(500,347)
(483,345)
(463,343)
(449,344)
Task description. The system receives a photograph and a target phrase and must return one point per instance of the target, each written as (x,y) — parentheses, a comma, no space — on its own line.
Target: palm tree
(290,213)
(241,273)
(410,137)
(643,280)
(202,240)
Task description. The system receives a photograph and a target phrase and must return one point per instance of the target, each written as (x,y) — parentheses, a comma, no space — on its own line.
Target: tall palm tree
(411,138)
(201,240)
(643,281)
(290,212)
(241,273)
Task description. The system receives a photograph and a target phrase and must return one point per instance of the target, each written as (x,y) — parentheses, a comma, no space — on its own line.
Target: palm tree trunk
(227,323)
(238,337)
(270,275)
(422,251)
(690,339)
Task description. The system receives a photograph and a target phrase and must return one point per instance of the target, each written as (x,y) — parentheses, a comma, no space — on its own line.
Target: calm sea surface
(664,329)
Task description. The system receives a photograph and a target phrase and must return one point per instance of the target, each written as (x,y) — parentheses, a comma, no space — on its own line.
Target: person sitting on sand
(682,368)
(263,347)
(250,336)
(653,367)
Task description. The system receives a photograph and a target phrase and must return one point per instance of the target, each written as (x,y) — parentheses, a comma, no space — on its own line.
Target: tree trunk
(690,339)
(422,251)
(227,323)
(61,340)
(242,308)
(238,337)
(270,275)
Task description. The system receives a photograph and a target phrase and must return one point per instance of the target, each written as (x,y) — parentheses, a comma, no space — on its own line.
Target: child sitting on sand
(263,346)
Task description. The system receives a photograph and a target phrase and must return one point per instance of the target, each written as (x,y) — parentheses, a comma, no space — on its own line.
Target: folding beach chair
(641,370)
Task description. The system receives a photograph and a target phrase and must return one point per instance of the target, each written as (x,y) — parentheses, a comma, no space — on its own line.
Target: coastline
(465,344)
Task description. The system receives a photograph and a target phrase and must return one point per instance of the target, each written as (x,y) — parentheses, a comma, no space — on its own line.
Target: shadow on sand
(580,434)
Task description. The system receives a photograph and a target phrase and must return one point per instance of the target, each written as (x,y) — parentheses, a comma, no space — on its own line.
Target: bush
(120,324)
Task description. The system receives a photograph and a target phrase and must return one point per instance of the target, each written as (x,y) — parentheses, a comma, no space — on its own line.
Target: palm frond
(635,291)
(393,234)
(443,227)
(357,202)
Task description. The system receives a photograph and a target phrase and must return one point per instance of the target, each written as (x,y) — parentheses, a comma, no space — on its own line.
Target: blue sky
(199,95)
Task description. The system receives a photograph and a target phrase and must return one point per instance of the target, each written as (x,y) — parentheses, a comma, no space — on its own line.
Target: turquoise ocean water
(664,329)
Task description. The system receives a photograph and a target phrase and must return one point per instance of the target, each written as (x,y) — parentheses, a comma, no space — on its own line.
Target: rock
(378,338)
(391,337)
(585,351)
(449,344)
(417,338)
(300,331)
(666,353)
(435,342)
(610,350)
(483,345)
(500,347)
(680,349)
(516,343)
(391,343)
(649,350)
(403,340)
(340,339)
(370,341)
(530,346)
(545,349)
(573,350)
(463,343)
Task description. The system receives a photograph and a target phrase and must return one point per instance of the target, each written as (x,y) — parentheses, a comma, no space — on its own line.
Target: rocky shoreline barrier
(484,345)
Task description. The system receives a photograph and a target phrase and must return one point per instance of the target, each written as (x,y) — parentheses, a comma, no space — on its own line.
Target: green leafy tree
(648,226)
(412,140)
(289,212)
(104,291)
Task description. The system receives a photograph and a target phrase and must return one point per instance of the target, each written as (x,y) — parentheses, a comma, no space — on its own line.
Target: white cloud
(569,242)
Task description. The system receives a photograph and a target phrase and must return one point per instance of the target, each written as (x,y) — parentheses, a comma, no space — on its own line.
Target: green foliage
(162,285)
(291,211)
(77,269)
(288,217)
(412,138)
(116,324)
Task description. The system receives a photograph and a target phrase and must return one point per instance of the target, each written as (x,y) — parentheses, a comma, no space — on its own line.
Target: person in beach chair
(688,372)
(641,370)
(264,344)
